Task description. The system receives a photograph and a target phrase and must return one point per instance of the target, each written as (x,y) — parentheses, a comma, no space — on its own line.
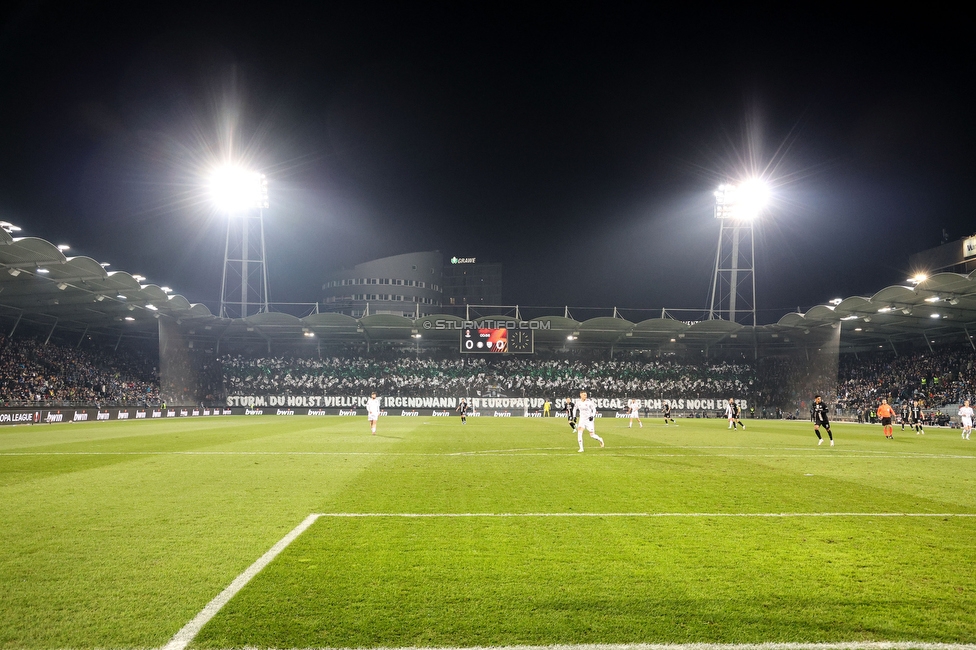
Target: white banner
(686,403)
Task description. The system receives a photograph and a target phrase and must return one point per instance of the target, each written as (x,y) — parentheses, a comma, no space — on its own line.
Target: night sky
(579,145)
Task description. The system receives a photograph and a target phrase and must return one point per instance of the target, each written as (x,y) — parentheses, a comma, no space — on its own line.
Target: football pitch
(308,532)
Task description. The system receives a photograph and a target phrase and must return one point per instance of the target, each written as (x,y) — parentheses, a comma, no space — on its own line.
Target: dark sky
(578,145)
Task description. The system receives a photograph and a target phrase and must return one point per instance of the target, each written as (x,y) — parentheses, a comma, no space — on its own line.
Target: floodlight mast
(243,196)
(733,295)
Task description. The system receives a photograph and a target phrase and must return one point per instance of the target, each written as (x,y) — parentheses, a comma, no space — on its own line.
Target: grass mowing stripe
(853,645)
(183,638)
(434,515)
(557,452)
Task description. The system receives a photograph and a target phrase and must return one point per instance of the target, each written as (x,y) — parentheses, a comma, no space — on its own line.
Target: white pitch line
(183,638)
(750,515)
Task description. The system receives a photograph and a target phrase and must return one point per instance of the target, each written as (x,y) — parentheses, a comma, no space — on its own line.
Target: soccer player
(906,410)
(966,415)
(732,413)
(915,417)
(372,411)
(546,407)
(667,414)
(463,410)
(570,411)
(885,412)
(820,419)
(584,413)
(634,406)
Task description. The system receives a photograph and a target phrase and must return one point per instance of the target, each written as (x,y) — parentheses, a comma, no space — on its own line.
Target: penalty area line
(183,638)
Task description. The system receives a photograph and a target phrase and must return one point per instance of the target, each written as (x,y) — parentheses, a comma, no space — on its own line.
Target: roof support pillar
(969,337)
(927,341)
(16,323)
(51,332)
(119,340)
(82,336)
(892,344)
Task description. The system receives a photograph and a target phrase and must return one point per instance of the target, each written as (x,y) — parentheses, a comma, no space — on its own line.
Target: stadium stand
(33,375)
(408,376)
(36,375)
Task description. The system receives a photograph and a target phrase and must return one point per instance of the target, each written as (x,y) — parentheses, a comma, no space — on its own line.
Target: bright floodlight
(743,201)
(235,190)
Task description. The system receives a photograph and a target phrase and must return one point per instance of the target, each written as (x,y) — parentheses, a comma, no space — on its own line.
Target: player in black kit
(905,411)
(463,410)
(820,419)
(667,414)
(915,418)
(568,408)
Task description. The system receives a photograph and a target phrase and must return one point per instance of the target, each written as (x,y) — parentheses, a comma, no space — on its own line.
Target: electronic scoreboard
(497,340)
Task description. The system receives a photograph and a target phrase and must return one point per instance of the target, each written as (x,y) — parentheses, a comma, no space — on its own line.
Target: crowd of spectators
(407,375)
(945,376)
(33,374)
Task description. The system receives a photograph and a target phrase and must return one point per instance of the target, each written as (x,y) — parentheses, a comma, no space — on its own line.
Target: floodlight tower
(243,197)
(734,282)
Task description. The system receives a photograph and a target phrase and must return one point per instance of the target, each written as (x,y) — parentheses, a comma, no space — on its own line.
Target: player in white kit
(634,406)
(585,412)
(372,411)
(732,413)
(966,415)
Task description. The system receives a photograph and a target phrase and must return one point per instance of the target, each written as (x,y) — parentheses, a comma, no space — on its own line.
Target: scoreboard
(497,340)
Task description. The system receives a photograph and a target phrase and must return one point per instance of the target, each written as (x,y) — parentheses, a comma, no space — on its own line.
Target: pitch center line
(183,638)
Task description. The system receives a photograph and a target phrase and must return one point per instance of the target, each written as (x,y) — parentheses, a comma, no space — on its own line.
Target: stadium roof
(39,283)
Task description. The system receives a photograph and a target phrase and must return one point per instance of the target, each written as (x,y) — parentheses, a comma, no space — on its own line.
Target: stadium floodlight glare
(743,201)
(9,227)
(138,278)
(836,301)
(235,190)
(43,271)
(64,247)
(884,310)
(129,318)
(918,278)
(933,299)
(934,316)
(165,289)
(152,307)
(104,264)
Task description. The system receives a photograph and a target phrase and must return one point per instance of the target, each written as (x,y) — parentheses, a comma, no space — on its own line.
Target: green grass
(114,535)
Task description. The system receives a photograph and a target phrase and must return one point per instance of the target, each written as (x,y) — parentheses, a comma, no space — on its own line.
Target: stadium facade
(953,257)
(408,285)
(470,282)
